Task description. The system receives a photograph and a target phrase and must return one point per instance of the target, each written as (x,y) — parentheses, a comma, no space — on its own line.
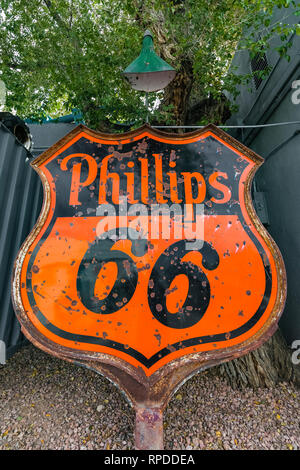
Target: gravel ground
(47,403)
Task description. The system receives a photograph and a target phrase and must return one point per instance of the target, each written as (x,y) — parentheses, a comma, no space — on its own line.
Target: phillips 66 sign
(148,254)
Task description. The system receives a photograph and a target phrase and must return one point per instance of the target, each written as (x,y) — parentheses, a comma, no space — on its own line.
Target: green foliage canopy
(56,55)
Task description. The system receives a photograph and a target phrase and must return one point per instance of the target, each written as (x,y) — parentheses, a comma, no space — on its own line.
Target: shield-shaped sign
(148,257)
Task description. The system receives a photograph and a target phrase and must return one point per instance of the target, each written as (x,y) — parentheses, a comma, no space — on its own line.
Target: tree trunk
(178,92)
(210,110)
(264,367)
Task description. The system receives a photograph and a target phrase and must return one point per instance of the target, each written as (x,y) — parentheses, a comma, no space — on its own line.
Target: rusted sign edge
(155,132)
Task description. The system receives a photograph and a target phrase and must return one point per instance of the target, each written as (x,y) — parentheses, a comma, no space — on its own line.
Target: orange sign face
(147,250)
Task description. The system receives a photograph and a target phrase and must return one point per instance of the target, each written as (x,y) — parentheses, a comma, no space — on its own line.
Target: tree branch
(60,22)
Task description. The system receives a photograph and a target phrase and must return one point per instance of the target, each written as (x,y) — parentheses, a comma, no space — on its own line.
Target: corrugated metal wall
(20,203)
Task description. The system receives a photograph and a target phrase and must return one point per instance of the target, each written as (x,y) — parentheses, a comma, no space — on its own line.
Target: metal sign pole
(147,104)
(148,428)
